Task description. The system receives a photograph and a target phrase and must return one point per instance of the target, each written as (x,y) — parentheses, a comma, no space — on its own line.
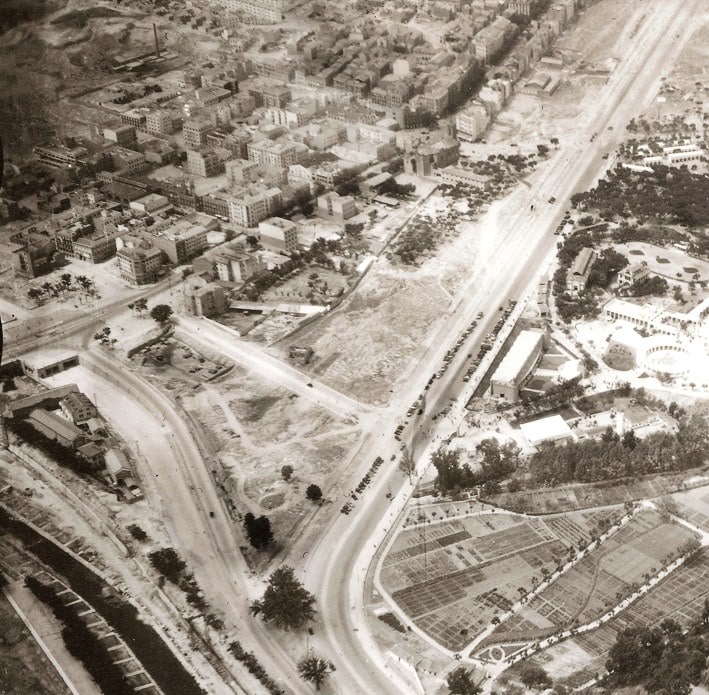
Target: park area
(453,576)
(600,580)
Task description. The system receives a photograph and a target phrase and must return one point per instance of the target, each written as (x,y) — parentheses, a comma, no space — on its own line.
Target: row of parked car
(489,339)
(347,507)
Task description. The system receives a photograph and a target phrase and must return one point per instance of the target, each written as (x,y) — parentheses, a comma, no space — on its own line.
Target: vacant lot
(250,429)
(371,342)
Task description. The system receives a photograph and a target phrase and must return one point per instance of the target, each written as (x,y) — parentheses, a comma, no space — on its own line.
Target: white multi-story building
(263,11)
(472,123)
(250,206)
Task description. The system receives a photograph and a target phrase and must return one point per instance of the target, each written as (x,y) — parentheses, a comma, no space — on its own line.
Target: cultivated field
(599,581)
(587,495)
(681,597)
(453,576)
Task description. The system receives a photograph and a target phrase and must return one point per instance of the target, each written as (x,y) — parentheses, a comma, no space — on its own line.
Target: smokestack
(157,43)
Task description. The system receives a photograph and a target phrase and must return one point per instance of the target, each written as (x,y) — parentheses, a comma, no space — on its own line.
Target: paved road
(144,417)
(517,257)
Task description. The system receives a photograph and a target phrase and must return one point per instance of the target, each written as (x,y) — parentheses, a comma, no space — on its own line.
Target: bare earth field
(251,429)
(368,344)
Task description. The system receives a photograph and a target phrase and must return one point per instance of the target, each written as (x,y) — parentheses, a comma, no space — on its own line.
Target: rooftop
(513,361)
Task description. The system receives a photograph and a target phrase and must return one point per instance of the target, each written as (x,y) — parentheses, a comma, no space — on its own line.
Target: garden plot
(453,577)
(694,506)
(625,561)
(680,597)
(588,495)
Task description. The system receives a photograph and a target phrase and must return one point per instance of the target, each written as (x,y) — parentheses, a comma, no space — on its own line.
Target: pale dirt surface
(367,345)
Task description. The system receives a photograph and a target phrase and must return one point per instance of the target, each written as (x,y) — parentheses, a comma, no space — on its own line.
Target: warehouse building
(517,365)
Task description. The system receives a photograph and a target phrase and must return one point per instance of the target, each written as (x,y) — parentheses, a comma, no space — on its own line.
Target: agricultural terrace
(605,576)
(680,597)
(452,577)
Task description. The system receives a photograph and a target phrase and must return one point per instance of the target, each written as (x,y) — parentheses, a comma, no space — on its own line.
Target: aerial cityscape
(357,348)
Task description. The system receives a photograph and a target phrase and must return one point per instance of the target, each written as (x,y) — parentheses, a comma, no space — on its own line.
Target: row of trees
(614,457)
(65,284)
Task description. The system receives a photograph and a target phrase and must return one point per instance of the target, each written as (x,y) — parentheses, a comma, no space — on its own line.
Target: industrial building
(517,365)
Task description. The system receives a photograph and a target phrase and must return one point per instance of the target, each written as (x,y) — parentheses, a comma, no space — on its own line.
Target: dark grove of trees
(666,659)
(614,457)
(497,462)
(666,194)
(83,644)
(258,530)
(460,682)
(286,603)
(654,286)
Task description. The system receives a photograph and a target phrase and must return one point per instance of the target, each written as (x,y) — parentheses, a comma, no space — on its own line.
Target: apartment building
(139,262)
(340,207)
(204,162)
(257,11)
(472,122)
(160,122)
(195,131)
(278,234)
(251,205)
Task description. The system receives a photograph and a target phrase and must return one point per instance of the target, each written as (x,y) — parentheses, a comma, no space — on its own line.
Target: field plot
(680,597)
(454,576)
(600,580)
(693,506)
(587,495)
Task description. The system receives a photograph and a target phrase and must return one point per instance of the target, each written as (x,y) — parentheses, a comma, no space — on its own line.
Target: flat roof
(545,429)
(513,361)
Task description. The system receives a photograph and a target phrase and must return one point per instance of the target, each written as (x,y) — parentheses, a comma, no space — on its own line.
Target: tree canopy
(315,669)
(258,530)
(286,603)
(161,312)
(460,682)
(665,659)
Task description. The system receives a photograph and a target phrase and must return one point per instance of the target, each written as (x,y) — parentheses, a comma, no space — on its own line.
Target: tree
(137,532)
(161,312)
(286,603)
(258,530)
(460,682)
(141,305)
(34,293)
(543,150)
(315,669)
(168,563)
(534,676)
(286,472)
(314,493)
